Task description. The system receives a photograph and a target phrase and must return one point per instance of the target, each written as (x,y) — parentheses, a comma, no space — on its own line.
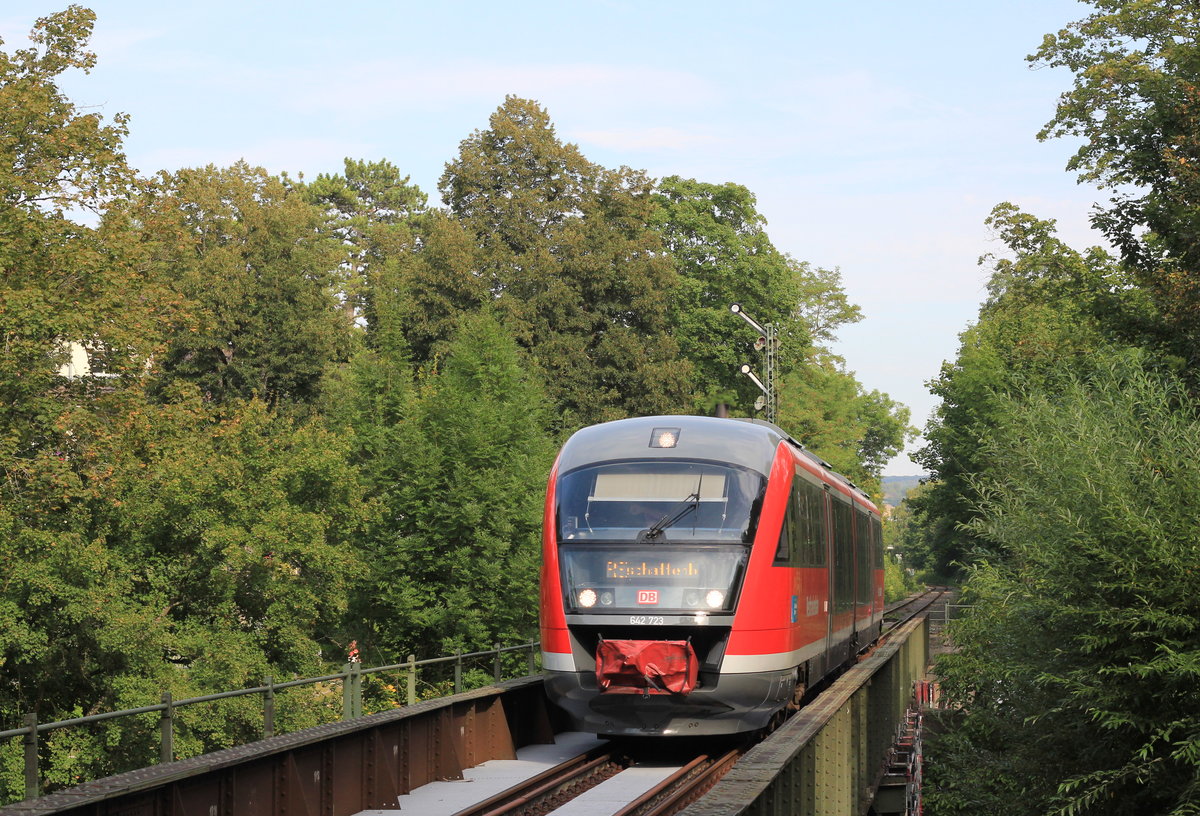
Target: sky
(876,135)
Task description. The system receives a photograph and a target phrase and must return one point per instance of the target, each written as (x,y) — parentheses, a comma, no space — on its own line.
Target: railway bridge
(847,751)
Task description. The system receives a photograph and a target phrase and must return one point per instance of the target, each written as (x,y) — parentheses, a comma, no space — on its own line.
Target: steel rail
(683,787)
(553,787)
(925,599)
(911,599)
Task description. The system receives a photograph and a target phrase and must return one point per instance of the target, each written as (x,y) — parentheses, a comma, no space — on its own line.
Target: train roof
(750,443)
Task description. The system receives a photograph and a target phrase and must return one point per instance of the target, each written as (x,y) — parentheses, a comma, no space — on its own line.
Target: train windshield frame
(675,500)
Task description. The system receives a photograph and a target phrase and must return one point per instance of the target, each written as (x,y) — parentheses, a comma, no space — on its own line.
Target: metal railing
(954,611)
(350,677)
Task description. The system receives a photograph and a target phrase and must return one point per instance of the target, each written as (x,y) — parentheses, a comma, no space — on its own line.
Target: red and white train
(698,573)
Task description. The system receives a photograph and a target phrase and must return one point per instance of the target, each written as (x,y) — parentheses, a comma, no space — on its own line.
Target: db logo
(647,596)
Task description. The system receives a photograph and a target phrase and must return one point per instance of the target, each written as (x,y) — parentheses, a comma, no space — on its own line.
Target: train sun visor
(646,667)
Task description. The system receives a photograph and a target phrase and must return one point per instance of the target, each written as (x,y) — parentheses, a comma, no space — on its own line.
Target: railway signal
(767,341)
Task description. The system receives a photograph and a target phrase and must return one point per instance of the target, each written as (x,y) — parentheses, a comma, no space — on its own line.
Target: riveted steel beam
(828,758)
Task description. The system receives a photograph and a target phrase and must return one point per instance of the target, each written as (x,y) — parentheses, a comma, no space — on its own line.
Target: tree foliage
(855,430)
(906,536)
(1065,453)
(62,281)
(171,546)
(437,287)
(1085,630)
(457,569)
(375,215)
(578,275)
(723,255)
(1046,303)
(245,251)
(1136,104)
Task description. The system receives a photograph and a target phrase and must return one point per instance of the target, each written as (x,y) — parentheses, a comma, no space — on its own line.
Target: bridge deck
(449,796)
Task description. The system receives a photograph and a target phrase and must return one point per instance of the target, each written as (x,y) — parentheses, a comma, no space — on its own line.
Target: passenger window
(785,553)
(810,515)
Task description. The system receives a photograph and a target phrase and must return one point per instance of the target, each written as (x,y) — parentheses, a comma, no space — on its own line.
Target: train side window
(877,541)
(803,514)
(810,527)
(825,526)
(783,550)
(816,522)
(785,553)
(866,555)
(796,508)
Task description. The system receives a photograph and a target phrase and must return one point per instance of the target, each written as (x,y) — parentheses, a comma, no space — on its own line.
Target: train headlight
(715,598)
(691,598)
(587,598)
(664,437)
(606,598)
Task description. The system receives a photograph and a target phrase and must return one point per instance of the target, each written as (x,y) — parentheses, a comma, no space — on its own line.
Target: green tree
(147,545)
(1077,667)
(375,214)
(905,535)
(242,521)
(1136,104)
(60,281)
(439,285)
(248,256)
(723,255)
(901,549)
(719,243)
(459,568)
(822,306)
(568,252)
(179,546)
(369,400)
(368,404)
(1047,303)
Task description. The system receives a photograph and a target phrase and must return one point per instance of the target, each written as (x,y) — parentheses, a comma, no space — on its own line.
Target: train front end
(650,526)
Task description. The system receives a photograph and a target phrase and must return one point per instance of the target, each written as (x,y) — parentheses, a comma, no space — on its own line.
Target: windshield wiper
(686,506)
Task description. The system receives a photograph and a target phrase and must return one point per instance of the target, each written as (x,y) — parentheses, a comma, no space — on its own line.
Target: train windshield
(659,501)
(636,578)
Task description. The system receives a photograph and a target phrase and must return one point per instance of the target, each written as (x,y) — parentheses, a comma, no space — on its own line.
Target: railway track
(548,790)
(900,612)
(606,779)
(683,787)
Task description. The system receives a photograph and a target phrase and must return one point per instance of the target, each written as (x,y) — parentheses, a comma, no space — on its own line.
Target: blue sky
(876,135)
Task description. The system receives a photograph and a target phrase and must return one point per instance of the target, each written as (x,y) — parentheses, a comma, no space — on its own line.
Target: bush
(1078,668)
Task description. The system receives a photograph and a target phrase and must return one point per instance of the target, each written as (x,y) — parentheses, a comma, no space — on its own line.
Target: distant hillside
(895,487)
